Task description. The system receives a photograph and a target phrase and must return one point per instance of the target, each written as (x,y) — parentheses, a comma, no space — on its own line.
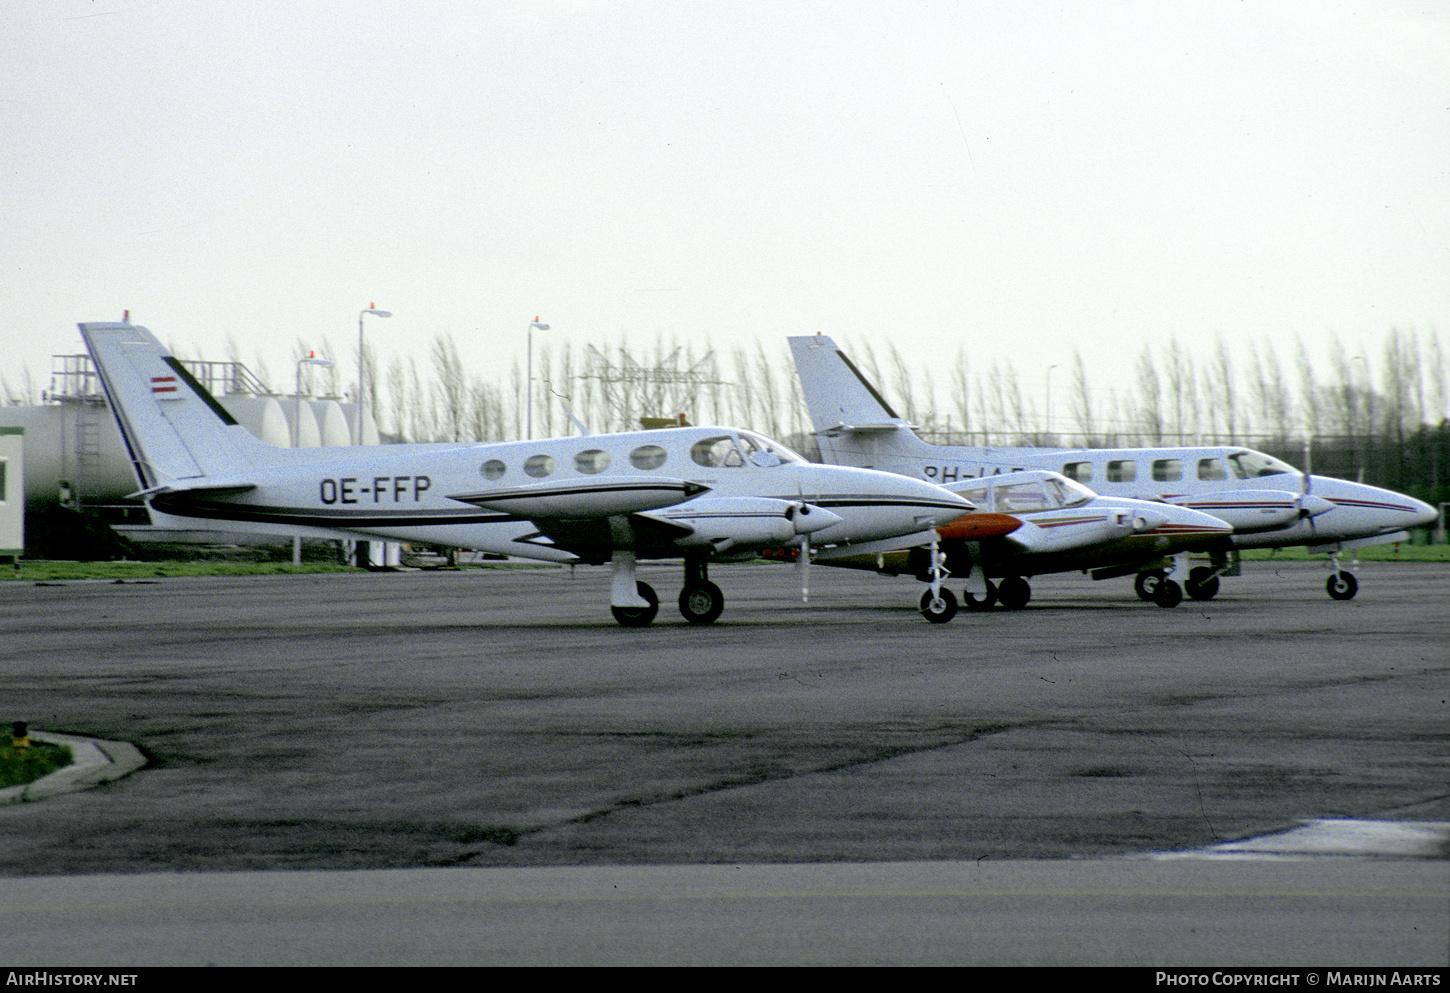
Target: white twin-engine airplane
(1269,503)
(701,494)
(1064,527)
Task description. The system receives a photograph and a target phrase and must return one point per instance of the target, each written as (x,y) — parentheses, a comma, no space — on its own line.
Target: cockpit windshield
(1252,465)
(762,451)
(742,448)
(1050,492)
(1071,493)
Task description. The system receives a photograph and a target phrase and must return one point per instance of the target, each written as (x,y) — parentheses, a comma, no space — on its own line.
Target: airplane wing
(576,499)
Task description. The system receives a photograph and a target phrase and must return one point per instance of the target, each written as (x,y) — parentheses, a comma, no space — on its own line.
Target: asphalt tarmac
(501,719)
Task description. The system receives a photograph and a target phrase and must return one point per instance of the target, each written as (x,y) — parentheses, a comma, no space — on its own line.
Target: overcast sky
(1020,178)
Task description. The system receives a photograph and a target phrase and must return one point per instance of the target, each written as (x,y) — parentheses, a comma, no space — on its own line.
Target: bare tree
(1310,399)
(1081,402)
(1183,387)
(1150,396)
(450,389)
(961,395)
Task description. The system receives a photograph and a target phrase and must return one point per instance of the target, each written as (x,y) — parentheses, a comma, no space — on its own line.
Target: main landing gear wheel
(984,601)
(1014,592)
(1168,593)
(1202,583)
(1342,586)
(939,609)
(1146,585)
(638,617)
(701,602)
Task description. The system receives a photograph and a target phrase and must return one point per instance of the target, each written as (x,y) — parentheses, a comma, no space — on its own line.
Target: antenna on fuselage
(583,428)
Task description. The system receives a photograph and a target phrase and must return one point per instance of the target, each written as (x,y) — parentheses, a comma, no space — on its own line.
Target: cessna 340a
(1269,503)
(701,494)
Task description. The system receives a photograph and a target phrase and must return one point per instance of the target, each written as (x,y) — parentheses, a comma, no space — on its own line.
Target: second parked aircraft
(1269,503)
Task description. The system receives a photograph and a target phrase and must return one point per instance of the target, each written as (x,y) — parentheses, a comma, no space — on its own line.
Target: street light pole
(529,402)
(361,366)
(1047,416)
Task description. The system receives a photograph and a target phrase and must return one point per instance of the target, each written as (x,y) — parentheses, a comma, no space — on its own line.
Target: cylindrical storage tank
(299,414)
(331,423)
(74,446)
(262,416)
(369,426)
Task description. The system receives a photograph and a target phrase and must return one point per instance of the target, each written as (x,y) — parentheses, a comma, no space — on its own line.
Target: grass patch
(41,570)
(28,765)
(1404,552)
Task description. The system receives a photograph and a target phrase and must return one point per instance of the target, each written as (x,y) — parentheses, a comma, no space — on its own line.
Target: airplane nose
(1424,513)
(939,505)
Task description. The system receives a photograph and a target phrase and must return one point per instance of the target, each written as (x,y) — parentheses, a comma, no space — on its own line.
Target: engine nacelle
(1248,511)
(723,523)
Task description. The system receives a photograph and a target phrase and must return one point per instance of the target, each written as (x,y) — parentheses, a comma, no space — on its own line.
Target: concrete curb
(96,762)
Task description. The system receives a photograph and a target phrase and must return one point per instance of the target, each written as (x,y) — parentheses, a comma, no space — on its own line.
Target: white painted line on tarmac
(1335,836)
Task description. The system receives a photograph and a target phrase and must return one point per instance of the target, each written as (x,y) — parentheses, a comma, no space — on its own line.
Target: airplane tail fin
(854,423)
(177,433)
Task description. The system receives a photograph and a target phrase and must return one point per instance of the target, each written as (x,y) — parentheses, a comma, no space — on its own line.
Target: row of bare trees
(1377,413)
(1171,395)
(1359,399)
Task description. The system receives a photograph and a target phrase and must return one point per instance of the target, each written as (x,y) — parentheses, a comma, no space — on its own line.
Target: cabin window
(1167,470)
(715,452)
(1122,471)
(493,469)
(1211,469)
(1080,472)
(647,457)
(1020,498)
(977,496)
(592,461)
(539,466)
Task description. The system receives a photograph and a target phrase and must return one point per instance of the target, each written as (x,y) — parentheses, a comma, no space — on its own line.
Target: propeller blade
(1304,512)
(803,563)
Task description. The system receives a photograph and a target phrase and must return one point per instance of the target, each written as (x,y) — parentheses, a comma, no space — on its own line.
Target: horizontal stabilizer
(210,489)
(881,427)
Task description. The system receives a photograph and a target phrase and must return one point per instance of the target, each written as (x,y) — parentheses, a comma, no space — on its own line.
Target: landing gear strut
(1155,587)
(701,601)
(938,605)
(1341,584)
(1202,583)
(633,604)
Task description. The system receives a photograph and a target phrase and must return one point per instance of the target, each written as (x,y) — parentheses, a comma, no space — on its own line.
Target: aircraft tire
(1146,585)
(987,601)
(1342,586)
(1014,592)
(1168,594)
(638,617)
(941,610)
(1202,584)
(701,602)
